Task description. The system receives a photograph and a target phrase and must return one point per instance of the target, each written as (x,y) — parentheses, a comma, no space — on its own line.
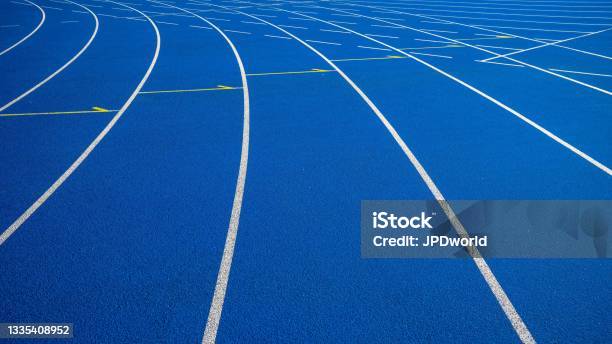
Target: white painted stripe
(500,63)
(433,55)
(69,21)
(372,48)
(218,19)
(164,22)
(530,29)
(250,22)
(496,47)
(43,16)
(241,32)
(555,43)
(9,26)
(200,27)
(35,87)
(336,31)
(294,27)
(434,22)
(432,41)
(49,192)
(539,40)
(321,42)
(52,8)
(274,36)
(294,18)
(578,82)
(216,307)
(443,31)
(385,26)
(584,73)
(343,22)
(381,36)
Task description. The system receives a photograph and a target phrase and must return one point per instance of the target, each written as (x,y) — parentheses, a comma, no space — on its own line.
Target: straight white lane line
(443,31)
(484,95)
(35,87)
(216,306)
(43,16)
(462,42)
(49,192)
(501,63)
(382,36)
(235,31)
(336,31)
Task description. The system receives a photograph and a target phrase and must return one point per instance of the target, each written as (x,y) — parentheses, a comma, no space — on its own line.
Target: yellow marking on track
(313,70)
(218,88)
(94,109)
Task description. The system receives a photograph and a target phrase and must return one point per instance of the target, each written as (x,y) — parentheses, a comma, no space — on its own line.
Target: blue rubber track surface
(129,247)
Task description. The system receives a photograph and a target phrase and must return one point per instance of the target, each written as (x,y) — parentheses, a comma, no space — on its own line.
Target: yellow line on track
(95,109)
(218,88)
(372,58)
(313,70)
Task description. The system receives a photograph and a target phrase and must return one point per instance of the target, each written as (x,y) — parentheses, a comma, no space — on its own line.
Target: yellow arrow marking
(218,88)
(99,109)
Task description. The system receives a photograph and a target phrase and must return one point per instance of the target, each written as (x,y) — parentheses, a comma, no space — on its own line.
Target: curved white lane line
(216,306)
(15,225)
(40,23)
(497,290)
(545,131)
(91,38)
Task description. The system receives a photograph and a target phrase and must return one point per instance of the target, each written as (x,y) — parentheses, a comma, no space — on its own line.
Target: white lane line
(521,21)
(372,48)
(52,8)
(69,21)
(9,26)
(321,42)
(295,18)
(77,11)
(486,272)
(293,27)
(218,19)
(496,47)
(555,43)
(443,31)
(578,82)
(385,26)
(577,72)
(342,22)
(164,22)
(200,27)
(250,22)
(529,29)
(343,15)
(216,306)
(488,97)
(448,22)
(500,14)
(434,22)
(432,41)
(485,35)
(381,36)
(336,31)
(530,10)
(501,63)
(274,36)
(35,87)
(433,55)
(43,16)
(437,47)
(235,31)
(49,192)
